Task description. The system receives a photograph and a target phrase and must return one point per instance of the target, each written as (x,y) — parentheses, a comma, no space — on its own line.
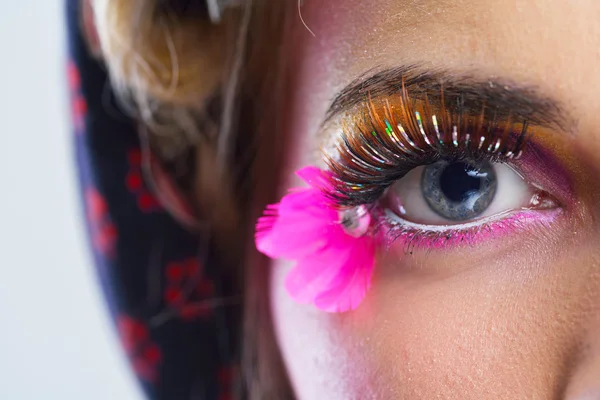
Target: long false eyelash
(393,136)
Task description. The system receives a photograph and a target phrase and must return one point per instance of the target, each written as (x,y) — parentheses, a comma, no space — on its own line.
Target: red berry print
(144,355)
(78,103)
(134,183)
(188,292)
(73,76)
(103,231)
(147,202)
(226,378)
(134,157)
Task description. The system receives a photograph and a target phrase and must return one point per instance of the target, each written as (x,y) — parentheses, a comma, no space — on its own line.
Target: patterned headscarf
(159,277)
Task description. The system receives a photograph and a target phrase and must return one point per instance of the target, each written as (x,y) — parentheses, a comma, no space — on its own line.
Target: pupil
(459,181)
(459,190)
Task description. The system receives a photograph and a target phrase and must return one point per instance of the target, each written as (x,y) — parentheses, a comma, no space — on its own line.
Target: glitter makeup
(385,138)
(467,163)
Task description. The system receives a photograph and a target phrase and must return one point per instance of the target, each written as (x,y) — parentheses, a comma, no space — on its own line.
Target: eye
(455,192)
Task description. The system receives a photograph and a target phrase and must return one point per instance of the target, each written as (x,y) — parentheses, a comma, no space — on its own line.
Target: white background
(55,338)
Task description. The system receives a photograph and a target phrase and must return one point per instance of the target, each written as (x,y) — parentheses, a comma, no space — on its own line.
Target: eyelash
(391,137)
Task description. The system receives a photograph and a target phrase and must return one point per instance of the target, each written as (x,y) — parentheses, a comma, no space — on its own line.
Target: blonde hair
(170,65)
(160,60)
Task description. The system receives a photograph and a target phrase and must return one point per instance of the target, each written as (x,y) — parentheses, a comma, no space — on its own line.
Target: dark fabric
(159,283)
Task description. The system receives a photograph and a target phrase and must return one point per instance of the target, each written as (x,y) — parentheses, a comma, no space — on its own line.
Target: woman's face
(513,315)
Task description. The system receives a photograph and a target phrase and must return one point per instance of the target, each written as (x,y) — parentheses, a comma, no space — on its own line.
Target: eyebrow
(501,97)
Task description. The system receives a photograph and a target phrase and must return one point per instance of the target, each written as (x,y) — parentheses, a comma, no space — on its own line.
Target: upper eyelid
(521,101)
(502,139)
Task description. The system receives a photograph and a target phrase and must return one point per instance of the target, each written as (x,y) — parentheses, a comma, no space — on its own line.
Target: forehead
(552,45)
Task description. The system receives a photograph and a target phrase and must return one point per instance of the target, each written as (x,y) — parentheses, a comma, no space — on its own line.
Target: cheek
(505,328)
(485,333)
(326,355)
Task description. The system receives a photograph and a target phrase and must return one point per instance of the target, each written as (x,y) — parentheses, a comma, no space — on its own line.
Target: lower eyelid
(394,230)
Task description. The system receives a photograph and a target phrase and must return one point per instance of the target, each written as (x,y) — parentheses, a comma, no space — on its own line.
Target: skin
(515,317)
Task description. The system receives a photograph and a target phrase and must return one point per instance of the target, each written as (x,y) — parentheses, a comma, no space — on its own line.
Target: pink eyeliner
(394,231)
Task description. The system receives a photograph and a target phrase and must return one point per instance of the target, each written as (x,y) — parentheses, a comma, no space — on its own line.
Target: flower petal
(313,274)
(348,288)
(307,201)
(315,178)
(263,235)
(297,226)
(333,268)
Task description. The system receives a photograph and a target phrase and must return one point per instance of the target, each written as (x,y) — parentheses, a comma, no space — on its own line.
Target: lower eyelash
(391,229)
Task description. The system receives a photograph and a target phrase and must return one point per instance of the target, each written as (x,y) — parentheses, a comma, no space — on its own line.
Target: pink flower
(333,268)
